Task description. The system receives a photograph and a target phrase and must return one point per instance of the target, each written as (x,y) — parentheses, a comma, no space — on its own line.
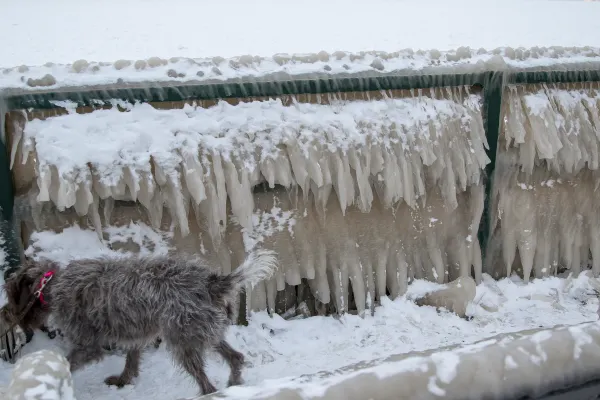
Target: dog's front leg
(80,356)
(131,370)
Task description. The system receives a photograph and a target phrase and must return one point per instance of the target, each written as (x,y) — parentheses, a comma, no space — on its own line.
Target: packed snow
(278,348)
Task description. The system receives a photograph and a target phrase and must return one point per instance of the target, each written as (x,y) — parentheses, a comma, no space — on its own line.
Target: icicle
(277,171)
(131,180)
(271,287)
(146,189)
(221,193)
(377,160)
(436,258)
(16,140)
(44,182)
(362,179)
(62,190)
(83,197)
(449,185)
(298,162)
(407,177)
(176,205)
(477,196)
(320,285)
(193,173)
(109,205)
(314,168)
(356,276)
(95,216)
(258,297)
(392,177)
(380,270)
(342,180)
(240,193)
(159,174)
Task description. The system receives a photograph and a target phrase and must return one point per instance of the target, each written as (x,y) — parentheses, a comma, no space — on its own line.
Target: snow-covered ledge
(506,366)
(44,374)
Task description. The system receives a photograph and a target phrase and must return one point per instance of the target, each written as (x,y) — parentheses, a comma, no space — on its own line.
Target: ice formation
(546,215)
(372,192)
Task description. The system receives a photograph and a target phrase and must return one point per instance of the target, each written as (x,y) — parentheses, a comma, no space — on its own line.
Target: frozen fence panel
(358,193)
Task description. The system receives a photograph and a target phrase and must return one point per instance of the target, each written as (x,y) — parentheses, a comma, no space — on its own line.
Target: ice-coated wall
(357,197)
(545,203)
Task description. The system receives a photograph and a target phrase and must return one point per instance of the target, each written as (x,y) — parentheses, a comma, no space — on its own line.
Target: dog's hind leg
(131,370)
(80,356)
(235,359)
(191,358)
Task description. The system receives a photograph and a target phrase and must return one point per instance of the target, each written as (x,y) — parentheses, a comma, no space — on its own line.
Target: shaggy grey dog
(131,301)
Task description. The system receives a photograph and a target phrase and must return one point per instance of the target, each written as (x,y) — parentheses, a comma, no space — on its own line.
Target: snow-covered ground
(276,348)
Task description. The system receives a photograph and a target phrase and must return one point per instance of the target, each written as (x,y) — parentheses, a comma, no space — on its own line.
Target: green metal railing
(493,83)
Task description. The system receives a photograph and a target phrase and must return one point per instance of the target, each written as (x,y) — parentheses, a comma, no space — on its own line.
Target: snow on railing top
(285,66)
(225,150)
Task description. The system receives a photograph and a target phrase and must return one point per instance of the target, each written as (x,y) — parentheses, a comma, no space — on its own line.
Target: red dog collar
(43,282)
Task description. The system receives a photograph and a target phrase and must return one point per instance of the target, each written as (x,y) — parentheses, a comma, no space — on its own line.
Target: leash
(37,295)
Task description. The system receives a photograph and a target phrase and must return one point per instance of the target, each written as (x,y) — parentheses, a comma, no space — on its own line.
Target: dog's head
(20,289)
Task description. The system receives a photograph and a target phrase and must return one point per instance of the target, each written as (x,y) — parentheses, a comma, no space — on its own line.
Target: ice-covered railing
(463,60)
(545,203)
(394,148)
(372,192)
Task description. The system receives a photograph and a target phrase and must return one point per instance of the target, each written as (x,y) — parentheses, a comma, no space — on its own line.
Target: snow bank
(506,366)
(546,180)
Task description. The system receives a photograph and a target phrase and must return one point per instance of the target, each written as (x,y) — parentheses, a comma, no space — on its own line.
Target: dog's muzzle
(11,342)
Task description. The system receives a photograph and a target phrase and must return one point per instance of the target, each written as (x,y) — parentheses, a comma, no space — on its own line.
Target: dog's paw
(235,381)
(117,380)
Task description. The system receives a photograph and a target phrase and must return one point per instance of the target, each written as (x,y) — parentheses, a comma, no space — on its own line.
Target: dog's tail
(259,265)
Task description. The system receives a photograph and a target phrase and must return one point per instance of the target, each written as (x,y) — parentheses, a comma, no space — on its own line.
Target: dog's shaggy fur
(131,301)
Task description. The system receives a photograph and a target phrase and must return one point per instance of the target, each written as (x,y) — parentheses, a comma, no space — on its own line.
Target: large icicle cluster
(378,252)
(546,181)
(379,191)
